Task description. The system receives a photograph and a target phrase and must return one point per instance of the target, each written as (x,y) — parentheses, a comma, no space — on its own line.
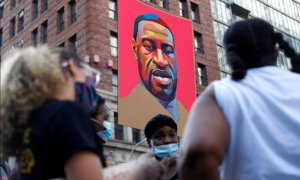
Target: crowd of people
(243,127)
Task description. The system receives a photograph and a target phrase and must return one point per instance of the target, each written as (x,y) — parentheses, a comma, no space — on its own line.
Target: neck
(65,91)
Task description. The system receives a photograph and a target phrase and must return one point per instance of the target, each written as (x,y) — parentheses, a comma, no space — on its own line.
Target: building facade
(283,15)
(91,29)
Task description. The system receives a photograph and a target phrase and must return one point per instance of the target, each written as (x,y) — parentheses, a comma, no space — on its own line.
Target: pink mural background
(182,32)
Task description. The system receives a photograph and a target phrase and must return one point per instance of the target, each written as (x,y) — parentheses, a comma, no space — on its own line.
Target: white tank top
(263,114)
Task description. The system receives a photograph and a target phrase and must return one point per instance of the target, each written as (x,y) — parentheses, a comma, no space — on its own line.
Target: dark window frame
(114,11)
(1,9)
(1,37)
(115,86)
(13,4)
(114,35)
(183,11)
(195,10)
(202,75)
(35,38)
(61,44)
(45,5)
(119,130)
(164,4)
(152,1)
(73,42)
(199,38)
(45,32)
(73,15)
(21,20)
(61,19)
(35,9)
(136,135)
(12,28)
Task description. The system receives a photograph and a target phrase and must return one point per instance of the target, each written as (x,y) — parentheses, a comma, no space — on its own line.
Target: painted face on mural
(154,50)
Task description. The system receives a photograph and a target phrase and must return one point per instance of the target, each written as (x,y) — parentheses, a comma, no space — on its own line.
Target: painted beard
(162,84)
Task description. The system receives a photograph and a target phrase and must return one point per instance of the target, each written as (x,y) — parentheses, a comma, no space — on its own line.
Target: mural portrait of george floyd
(156,65)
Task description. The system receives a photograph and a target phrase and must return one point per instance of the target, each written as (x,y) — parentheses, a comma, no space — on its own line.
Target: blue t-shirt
(55,132)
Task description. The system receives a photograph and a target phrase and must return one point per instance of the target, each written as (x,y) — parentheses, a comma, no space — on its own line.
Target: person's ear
(134,48)
(76,72)
(149,143)
(71,68)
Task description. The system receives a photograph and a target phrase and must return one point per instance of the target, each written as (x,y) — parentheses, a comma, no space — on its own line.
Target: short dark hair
(148,17)
(95,111)
(156,123)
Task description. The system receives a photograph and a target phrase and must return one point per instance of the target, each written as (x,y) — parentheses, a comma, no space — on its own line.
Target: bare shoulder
(206,128)
(205,139)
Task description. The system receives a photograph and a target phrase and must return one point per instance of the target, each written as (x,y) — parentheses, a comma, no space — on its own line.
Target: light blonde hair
(29,77)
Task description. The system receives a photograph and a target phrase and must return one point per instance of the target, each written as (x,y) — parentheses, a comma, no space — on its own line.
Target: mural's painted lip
(163,81)
(161,73)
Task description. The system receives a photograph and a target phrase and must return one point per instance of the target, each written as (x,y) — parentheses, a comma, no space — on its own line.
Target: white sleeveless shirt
(263,114)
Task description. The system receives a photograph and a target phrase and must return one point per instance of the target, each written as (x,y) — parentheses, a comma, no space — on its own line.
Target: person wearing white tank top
(247,126)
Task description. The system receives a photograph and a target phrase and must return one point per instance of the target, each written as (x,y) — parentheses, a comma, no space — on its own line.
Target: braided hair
(289,52)
(252,43)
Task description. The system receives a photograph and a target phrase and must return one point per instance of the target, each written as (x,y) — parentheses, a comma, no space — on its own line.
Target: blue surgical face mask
(86,94)
(106,134)
(167,150)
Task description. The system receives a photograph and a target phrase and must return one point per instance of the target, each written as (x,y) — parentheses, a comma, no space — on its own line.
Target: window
(152,1)
(242,12)
(45,32)
(1,8)
(12,4)
(73,42)
(136,135)
(61,19)
(198,42)
(114,44)
(21,21)
(195,12)
(35,37)
(12,31)
(113,9)
(72,5)
(119,135)
(1,37)
(62,45)
(35,9)
(45,5)
(183,8)
(115,82)
(164,4)
(202,74)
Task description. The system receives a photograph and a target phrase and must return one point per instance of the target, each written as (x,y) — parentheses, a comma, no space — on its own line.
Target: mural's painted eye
(148,48)
(148,45)
(168,50)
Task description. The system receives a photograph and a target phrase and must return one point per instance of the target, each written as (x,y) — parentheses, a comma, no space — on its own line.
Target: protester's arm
(205,140)
(146,168)
(84,165)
